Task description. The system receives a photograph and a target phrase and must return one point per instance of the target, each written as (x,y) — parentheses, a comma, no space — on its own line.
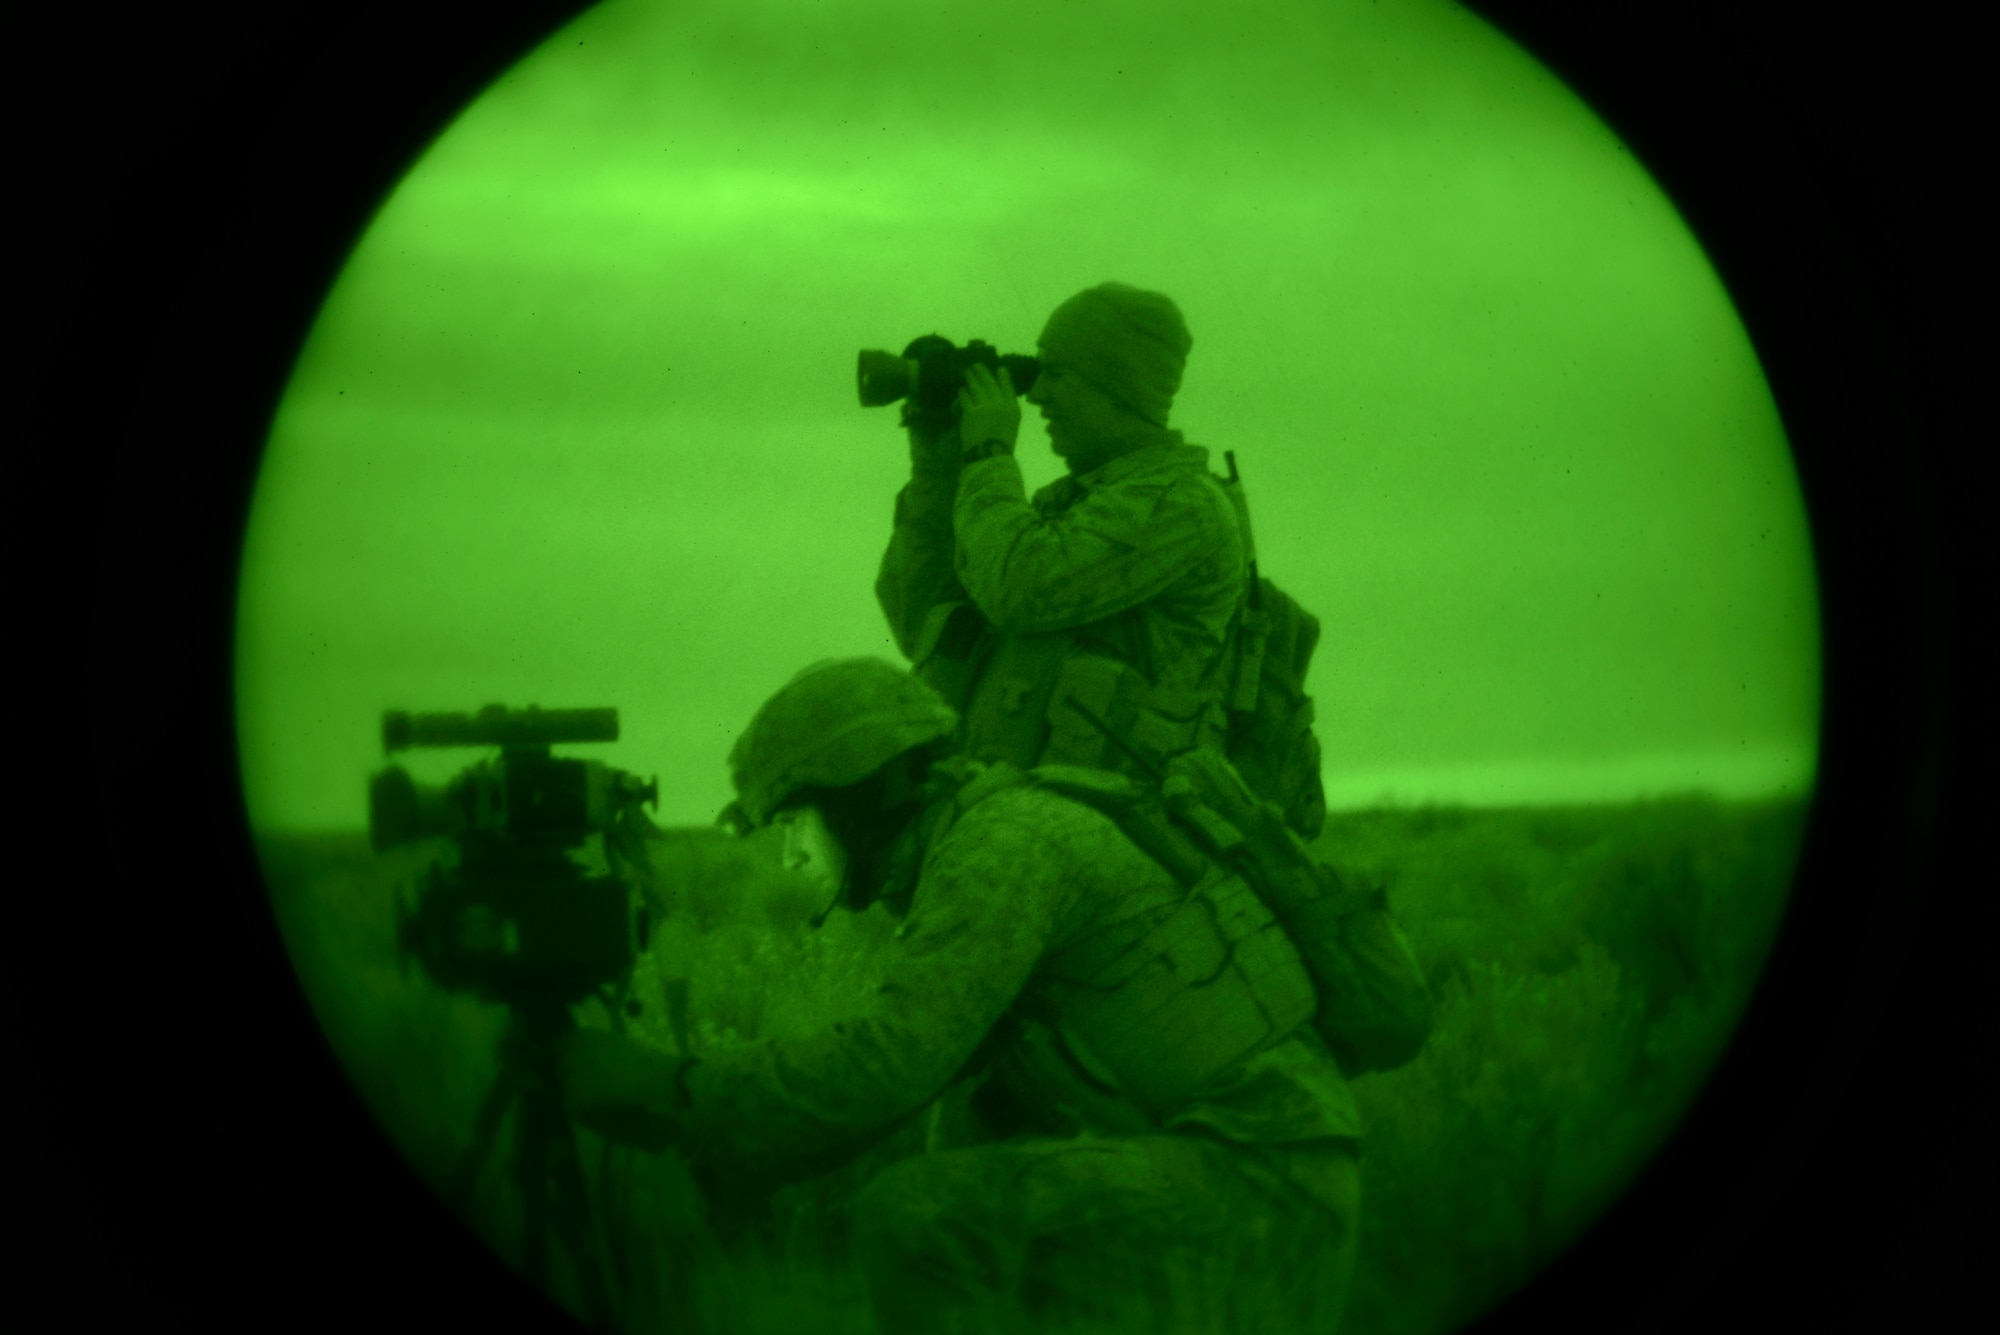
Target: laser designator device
(931,371)
(519,918)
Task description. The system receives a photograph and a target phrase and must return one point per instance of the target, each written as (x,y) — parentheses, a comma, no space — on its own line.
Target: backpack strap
(1207,792)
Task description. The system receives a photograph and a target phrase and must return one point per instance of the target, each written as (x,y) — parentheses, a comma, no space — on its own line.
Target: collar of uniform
(1170,451)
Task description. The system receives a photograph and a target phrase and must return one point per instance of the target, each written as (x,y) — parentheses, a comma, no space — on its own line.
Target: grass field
(1589,964)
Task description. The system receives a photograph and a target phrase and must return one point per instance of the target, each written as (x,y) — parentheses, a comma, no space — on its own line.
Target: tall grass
(1588,963)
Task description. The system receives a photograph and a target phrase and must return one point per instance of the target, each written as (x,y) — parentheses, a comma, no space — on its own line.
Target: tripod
(546,1168)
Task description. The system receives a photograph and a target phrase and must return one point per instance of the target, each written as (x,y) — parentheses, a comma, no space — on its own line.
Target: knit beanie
(1130,343)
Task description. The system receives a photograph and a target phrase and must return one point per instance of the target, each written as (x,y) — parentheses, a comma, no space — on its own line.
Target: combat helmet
(832,725)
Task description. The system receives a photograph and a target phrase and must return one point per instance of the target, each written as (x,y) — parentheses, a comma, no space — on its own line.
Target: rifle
(1229,823)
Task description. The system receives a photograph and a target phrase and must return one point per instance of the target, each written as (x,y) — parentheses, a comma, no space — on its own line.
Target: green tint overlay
(577,427)
(577,424)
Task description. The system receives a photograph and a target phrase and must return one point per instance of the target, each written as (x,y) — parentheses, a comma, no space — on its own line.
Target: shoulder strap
(986,781)
(977,782)
(1108,792)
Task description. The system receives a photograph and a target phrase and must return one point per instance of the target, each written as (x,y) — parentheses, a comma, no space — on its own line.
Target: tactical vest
(1018,693)
(1164,1001)
(1156,1005)
(1271,740)
(1085,696)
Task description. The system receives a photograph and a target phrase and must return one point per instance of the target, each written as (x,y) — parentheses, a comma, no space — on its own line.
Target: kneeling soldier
(1165,1123)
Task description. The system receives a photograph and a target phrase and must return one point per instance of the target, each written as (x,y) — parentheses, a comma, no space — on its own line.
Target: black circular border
(221,167)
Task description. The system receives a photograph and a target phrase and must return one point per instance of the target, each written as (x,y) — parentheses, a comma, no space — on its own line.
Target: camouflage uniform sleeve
(1123,544)
(917,572)
(990,900)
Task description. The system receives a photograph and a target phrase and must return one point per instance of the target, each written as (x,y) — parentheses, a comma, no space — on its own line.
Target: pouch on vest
(1000,685)
(1095,695)
(1375,1007)
(1007,697)
(1271,737)
(1160,1005)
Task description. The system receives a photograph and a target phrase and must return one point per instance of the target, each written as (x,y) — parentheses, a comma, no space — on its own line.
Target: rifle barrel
(1090,716)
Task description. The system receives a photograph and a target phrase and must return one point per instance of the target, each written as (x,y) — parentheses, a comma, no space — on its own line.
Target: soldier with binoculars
(1118,585)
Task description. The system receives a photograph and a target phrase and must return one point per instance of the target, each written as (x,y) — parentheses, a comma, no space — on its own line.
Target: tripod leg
(492,1111)
(570,1212)
(548,1174)
(554,1199)
(531,1176)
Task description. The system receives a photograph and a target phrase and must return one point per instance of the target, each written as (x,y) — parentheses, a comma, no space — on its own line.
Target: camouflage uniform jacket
(1016,884)
(1140,560)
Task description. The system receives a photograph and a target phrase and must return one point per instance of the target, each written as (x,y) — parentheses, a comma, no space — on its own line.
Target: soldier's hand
(988,411)
(620,1088)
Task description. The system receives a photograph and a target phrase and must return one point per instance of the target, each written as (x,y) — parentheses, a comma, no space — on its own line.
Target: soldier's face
(811,848)
(1082,419)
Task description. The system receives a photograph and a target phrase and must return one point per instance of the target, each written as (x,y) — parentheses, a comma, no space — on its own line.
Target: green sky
(577,424)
